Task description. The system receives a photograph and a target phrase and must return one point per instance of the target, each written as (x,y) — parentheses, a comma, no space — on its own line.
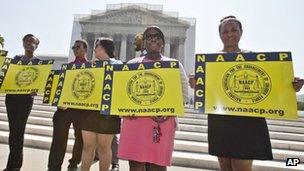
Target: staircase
(191,145)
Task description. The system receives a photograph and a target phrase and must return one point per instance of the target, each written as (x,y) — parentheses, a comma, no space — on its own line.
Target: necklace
(156,132)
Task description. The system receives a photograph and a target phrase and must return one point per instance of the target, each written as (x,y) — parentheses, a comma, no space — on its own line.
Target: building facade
(122,22)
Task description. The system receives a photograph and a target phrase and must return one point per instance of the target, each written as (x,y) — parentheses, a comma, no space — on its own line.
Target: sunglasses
(77,47)
(151,36)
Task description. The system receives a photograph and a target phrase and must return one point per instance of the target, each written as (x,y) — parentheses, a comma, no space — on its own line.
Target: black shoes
(72,167)
(15,169)
(115,167)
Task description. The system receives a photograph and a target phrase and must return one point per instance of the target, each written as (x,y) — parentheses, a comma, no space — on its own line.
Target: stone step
(36,120)
(183,127)
(39,107)
(186,120)
(201,147)
(199,125)
(38,113)
(281,144)
(197,136)
(203,128)
(207,161)
(180,158)
(276,144)
(48,121)
(45,143)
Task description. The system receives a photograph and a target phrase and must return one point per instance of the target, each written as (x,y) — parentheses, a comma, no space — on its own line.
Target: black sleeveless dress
(239,137)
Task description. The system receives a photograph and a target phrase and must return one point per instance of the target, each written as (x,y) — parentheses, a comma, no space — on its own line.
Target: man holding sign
(18,108)
(62,120)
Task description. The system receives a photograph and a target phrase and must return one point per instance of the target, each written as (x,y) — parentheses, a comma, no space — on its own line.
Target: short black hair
(30,35)
(84,43)
(107,44)
(228,18)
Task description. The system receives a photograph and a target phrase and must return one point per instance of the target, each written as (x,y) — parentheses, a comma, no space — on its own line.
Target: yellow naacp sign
(246,84)
(80,86)
(50,88)
(18,77)
(147,89)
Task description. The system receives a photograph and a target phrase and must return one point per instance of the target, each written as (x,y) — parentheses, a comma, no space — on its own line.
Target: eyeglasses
(151,36)
(76,47)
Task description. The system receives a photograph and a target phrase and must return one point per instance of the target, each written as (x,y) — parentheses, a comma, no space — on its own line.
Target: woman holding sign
(237,140)
(148,141)
(98,130)
(18,107)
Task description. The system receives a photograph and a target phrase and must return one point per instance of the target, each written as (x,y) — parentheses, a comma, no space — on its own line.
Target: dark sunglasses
(151,36)
(77,47)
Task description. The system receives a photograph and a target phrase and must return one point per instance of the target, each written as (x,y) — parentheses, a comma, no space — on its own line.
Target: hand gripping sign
(246,84)
(50,87)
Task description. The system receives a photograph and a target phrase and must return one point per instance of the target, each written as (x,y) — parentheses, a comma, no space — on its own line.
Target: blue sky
(269,25)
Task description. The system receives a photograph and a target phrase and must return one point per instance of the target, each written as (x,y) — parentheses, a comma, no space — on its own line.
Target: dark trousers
(62,121)
(18,109)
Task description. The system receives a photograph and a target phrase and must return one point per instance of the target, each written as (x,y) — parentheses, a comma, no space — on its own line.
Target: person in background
(139,44)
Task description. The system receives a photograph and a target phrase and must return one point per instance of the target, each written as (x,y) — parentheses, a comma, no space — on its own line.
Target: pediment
(134,15)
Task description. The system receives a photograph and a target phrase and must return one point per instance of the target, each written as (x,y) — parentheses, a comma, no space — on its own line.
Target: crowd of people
(146,142)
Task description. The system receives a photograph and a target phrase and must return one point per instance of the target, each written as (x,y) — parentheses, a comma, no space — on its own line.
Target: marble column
(167,48)
(90,41)
(96,36)
(181,50)
(123,48)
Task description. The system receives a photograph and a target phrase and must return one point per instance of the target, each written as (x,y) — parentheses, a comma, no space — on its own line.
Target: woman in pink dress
(148,141)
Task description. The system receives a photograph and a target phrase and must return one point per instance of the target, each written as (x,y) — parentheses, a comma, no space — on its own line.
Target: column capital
(167,40)
(123,37)
(123,48)
(181,40)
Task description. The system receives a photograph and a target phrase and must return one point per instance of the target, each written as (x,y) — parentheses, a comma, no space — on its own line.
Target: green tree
(1,41)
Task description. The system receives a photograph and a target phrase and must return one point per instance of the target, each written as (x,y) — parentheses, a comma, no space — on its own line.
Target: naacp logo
(145,88)
(26,76)
(246,84)
(83,85)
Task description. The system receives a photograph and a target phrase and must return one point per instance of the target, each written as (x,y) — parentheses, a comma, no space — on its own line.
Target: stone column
(90,40)
(167,48)
(181,50)
(96,36)
(123,48)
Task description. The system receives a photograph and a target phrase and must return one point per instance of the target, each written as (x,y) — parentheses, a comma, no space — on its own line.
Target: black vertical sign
(200,76)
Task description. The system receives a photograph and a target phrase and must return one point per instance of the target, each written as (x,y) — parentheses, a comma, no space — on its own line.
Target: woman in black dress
(98,130)
(237,140)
